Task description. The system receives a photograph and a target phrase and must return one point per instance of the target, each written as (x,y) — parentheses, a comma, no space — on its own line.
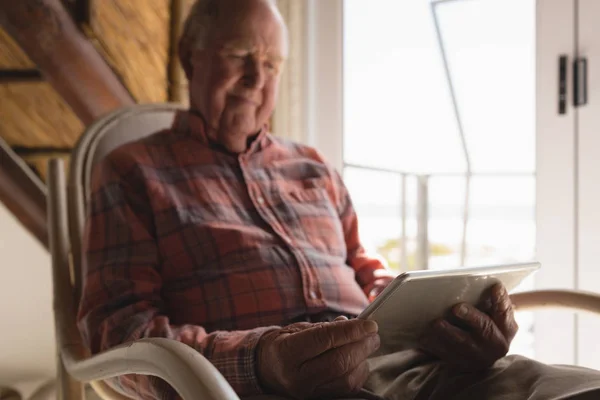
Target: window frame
(556,338)
(324,79)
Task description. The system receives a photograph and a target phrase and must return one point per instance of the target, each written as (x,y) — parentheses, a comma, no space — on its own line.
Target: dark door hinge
(562,84)
(580,82)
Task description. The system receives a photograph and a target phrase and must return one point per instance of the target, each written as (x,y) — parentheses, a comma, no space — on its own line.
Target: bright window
(439,107)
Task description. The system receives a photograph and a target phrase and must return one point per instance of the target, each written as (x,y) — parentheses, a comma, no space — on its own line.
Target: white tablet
(415,299)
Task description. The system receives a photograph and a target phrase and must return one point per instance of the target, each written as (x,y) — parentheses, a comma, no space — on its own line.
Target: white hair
(201,19)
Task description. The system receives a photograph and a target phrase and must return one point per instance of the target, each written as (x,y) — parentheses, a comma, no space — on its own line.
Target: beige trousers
(411,375)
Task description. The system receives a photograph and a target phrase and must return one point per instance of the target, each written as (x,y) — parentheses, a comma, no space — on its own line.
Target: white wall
(27,351)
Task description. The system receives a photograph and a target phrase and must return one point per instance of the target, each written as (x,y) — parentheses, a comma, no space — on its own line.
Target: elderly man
(245,247)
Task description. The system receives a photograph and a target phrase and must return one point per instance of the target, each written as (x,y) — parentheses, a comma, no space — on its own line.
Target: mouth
(245,100)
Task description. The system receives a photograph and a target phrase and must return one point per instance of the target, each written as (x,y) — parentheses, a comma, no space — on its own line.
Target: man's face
(235,78)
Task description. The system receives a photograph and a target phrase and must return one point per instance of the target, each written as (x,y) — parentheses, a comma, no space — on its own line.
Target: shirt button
(260,200)
(312,294)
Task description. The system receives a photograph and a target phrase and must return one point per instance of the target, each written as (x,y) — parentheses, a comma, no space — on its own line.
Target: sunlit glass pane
(397,108)
(501,226)
(446,216)
(490,48)
(377,197)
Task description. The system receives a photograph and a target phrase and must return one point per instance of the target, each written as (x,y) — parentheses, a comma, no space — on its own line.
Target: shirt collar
(192,123)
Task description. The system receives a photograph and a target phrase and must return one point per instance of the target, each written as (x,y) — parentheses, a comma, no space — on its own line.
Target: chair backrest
(67,213)
(99,139)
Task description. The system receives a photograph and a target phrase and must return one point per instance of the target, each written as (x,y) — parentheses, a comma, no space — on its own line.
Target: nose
(254,74)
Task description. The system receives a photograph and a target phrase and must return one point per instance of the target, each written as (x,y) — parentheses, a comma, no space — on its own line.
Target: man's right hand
(307,360)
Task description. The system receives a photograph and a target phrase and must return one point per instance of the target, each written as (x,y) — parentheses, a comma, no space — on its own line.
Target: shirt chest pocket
(309,214)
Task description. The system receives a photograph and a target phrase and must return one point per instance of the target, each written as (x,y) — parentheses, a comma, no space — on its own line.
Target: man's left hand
(474,339)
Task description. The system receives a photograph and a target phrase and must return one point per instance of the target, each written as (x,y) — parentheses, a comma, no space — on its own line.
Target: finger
(347,385)
(503,313)
(433,345)
(457,347)
(340,361)
(311,342)
(482,327)
(297,327)
(485,303)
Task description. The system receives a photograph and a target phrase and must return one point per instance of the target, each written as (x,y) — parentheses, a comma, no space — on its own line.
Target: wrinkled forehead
(254,24)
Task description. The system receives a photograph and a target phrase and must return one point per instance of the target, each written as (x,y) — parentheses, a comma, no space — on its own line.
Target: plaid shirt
(188,242)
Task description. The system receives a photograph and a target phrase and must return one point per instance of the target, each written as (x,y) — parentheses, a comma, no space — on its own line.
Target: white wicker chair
(185,369)
(192,376)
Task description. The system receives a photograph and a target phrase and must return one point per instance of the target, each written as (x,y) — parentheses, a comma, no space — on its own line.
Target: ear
(185,58)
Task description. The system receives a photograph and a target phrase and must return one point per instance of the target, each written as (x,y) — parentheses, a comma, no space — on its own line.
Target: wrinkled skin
(473,339)
(323,360)
(234,77)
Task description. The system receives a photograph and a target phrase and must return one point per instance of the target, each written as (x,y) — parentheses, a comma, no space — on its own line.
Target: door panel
(555,330)
(588,134)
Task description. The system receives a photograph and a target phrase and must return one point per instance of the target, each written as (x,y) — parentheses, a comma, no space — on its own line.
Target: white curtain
(289,117)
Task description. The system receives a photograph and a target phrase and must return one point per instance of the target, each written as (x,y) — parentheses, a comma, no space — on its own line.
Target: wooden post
(23,193)
(69,62)
(177,79)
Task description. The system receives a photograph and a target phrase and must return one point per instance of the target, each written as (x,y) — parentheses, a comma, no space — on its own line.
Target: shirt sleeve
(371,270)
(121,299)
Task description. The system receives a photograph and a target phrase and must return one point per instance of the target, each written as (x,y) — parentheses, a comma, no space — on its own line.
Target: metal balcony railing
(423,203)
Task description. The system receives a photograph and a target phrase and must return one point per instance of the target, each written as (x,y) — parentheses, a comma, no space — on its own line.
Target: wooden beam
(38,160)
(20,75)
(22,151)
(83,12)
(177,80)
(23,193)
(69,62)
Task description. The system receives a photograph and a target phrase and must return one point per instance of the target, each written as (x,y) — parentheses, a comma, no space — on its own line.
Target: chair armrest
(570,299)
(186,370)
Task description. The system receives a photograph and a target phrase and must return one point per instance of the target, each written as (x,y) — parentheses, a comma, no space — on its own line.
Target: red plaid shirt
(189,242)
